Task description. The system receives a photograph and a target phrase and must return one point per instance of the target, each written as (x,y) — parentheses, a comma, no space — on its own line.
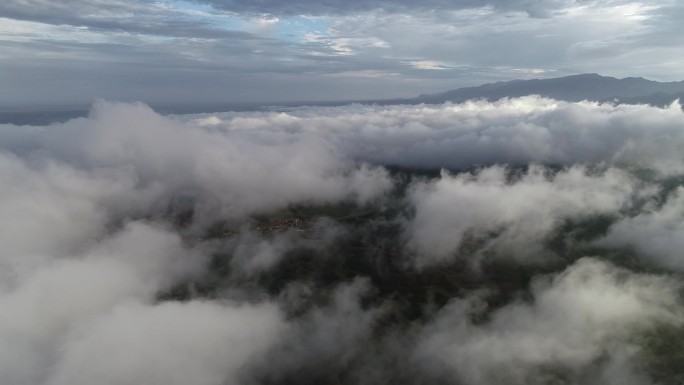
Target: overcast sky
(218,51)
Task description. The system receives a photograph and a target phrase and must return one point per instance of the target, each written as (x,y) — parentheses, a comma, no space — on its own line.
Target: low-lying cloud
(527,241)
(459,136)
(515,216)
(580,327)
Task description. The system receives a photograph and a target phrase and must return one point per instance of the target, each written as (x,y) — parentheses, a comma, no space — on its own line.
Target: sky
(233,51)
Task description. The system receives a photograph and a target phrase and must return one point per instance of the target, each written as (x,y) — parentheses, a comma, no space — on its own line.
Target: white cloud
(328,337)
(513,218)
(428,65)
(172,343)
(60,296)
(80,274)
(580,324)
(654,233)
(97,256)
(515,131)
(233,172)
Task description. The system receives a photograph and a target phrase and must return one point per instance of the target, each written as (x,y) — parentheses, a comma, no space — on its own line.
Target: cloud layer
(235,51)
(526,240)
(537,8)
(460,136)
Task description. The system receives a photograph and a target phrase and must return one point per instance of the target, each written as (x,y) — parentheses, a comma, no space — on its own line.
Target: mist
(521,241)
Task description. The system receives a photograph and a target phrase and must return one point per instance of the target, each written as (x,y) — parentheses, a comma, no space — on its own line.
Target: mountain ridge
(588,86)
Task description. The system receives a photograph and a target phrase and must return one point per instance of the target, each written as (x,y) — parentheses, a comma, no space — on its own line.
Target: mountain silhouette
(592,87)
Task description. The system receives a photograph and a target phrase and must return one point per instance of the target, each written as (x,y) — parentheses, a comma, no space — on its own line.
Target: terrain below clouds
(525,241)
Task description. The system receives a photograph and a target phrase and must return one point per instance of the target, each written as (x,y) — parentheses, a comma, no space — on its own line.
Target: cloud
(236,173)
(512,218)
(49,298)
(171,343)
(327,339)
(580,324)
(653,233)
(539,8)
(114,16)
(228,51)
(89,241)
(511,131)
(271,246)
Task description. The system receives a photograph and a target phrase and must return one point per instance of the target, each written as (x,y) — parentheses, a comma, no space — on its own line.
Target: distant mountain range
(570,88)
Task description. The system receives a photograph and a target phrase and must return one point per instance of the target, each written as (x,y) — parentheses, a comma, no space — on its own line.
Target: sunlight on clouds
(529,71)
(364,74)
(428,65)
